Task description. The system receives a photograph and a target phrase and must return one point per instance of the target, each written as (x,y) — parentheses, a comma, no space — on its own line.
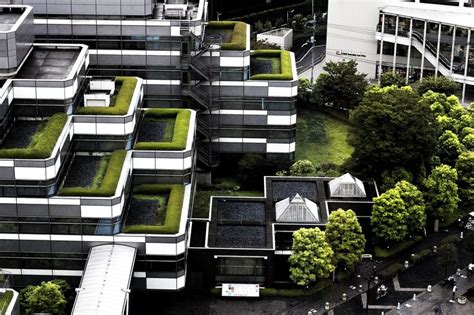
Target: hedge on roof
(239,34)
(109,182)
(44,140)
(173,209)
(286,68)
(180,131)
(122,101)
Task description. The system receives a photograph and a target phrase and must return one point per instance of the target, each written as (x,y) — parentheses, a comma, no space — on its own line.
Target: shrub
(42,145)
(122,101)
(286,68)
(44,298)
(173,209)
(109,182)
(239,34)
(180,133)
(421,256)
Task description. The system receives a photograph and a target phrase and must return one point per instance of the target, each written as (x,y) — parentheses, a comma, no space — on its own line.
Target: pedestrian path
(396,286)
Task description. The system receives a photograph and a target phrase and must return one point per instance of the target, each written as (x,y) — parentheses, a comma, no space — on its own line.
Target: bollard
(360,288)
(344,296)
(429,288)
(326,306)
(406,264)
(435,249)
(458,272)
(398,305)
(414,296)
(462,235)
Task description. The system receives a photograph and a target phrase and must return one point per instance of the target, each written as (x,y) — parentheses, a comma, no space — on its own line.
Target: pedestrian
(470,270)
(455,288)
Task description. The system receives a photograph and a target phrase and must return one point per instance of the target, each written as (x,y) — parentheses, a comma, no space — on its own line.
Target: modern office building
(105,107)
(414,38)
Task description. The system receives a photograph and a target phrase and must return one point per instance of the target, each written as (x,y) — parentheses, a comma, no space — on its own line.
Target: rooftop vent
(299,209)
(347,186)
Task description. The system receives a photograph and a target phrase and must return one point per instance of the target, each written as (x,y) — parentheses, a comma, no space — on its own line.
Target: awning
(106,280)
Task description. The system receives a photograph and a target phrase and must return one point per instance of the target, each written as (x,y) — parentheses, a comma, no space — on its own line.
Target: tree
(267,25)
(465,169)
(389,217)
(438,84)
(258,27)
(311,258)
(441,192)
(344,235)
(305,90)
(341,86)
(447,256)
(449,148)
(390,78)
(298,22)
(392,130)
(45,298)
(392,177)
(302,168)
(414,206)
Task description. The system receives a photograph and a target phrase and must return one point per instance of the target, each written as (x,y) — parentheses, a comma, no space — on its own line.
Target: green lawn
(202,199)
(321,138)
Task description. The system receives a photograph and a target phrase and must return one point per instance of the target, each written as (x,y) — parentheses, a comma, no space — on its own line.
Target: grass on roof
(42,142)
(106,179)
(173,209)
(5,301)
(180,131)
(322,138)
(239,34)
(281,65)
(119,104)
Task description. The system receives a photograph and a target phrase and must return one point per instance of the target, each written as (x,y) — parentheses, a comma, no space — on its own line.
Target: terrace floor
(21,134)
(48,63)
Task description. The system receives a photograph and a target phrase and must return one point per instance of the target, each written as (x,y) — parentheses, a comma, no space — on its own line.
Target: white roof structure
(299,209)
(105,281)
(347,186)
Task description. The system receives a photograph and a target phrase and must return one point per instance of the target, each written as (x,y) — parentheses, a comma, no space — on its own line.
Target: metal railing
(433,50)
(302,65)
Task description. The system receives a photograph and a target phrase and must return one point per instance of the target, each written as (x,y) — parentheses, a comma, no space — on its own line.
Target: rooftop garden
(119,102)
(33,139)
(164,129)
(234,34)
(94,176)
(155,209)
(271,65)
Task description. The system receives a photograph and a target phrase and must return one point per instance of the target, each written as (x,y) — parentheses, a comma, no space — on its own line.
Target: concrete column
(466,65)
(423,52)
(381,47)
(452,50)
(395,46)
(409,52)
(437,50)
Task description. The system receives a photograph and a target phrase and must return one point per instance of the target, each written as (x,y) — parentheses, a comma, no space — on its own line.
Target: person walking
(455,288)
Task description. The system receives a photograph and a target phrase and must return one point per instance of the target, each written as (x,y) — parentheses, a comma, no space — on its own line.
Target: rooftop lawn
(119,103)
(171,211)
(179,135)
(322,138)
(271,65)
(105,180)
(235,41)
(42,141)
(4,301)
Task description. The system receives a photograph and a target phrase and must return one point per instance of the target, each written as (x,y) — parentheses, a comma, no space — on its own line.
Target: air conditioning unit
(99,93)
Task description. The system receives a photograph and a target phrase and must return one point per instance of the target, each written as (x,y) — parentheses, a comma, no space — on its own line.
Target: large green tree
(44,298)
(389,216)
(340,85)
(414,206)
(344,235)
(302,168)
(438,84)
(449,148)
(392,130)
(312,257)
(390,78)
(465,169)
(441,192)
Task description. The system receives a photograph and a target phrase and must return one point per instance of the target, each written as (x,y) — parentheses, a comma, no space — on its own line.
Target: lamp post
(288,16)
(373,278)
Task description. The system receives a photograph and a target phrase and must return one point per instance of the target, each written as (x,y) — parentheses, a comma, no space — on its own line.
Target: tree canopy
(312,257)
(414,206)
(465,168)
(449,148)
(438,84)
(441,192)
(392,130)
(390,78)
(302,168)
(344,235)
(340,85)
(44,298)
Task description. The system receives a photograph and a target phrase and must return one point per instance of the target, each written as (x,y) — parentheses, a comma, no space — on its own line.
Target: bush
(173,209)
(421,256)
(180,133)
(122,101)
(286,68)
(439,85)
(42,145)
(396,249)
(239,34)
(109,182)
(45,298)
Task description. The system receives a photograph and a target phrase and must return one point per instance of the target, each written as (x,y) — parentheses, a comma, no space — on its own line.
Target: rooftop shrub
(120,105)
(43,141)
(239,34)
(180,133)
(285,64)
(173,209)
(107,186)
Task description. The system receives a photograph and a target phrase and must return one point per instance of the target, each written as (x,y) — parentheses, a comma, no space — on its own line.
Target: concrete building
(414,38)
